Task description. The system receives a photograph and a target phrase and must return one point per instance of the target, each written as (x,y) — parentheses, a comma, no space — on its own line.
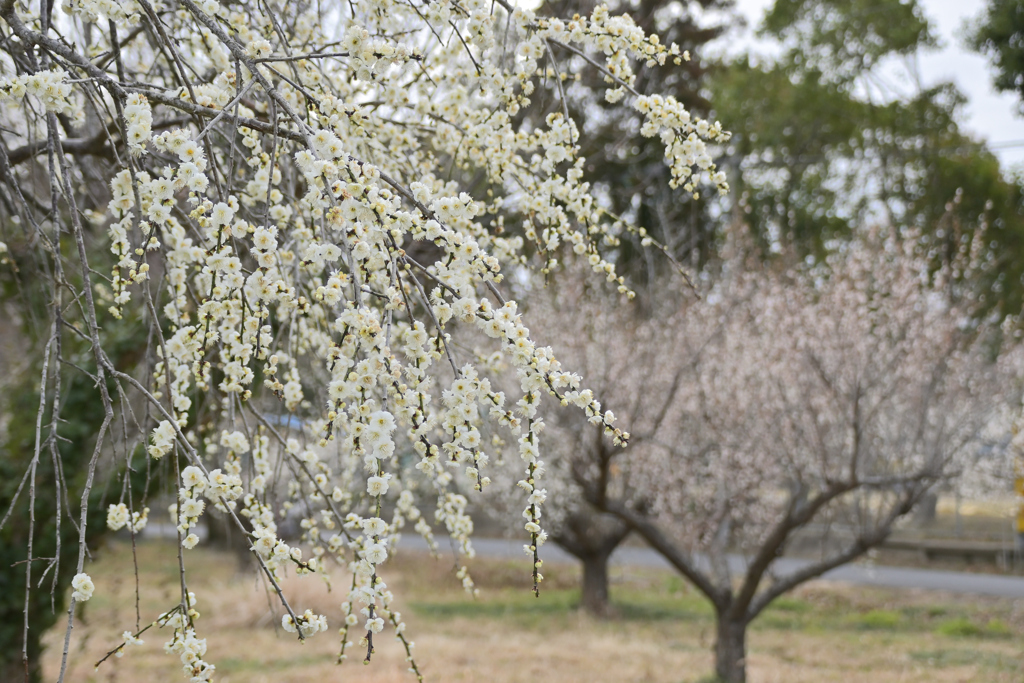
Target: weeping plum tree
(597,349)
(298,203)
(633,183)
(821,402)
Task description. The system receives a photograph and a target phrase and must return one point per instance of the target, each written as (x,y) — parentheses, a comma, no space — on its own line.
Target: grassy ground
(663,632)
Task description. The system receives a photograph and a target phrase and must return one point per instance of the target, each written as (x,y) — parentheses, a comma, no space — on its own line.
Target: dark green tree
(825,144)
(52,571)
(28,504)
(630,170)
(999,34)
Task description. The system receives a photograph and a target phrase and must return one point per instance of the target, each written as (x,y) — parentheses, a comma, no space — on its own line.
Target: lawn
(663,631)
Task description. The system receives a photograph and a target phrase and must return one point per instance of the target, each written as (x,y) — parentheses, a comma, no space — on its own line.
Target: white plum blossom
(192,478)
(375,553)
(374,526)
(82,586)
(307,623)
(377,486)
(118,517)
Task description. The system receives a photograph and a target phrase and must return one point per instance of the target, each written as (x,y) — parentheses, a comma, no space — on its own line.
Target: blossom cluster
(308,623)
(119,517)
(121,12)
(185,642)
(51,88)
(138,117)
(82,587)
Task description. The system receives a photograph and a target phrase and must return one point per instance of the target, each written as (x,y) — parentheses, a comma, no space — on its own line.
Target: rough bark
(731,650)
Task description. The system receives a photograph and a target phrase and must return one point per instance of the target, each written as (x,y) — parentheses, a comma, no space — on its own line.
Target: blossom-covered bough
(298,202)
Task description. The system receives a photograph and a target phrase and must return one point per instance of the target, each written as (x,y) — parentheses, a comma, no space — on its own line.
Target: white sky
(989,115)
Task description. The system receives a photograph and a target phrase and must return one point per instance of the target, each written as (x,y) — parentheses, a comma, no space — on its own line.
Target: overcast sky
(989,115)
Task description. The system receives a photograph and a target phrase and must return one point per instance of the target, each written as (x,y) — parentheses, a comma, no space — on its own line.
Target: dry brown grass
(663,633)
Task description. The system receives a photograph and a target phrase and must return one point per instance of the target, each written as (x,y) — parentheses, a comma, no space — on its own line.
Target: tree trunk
(926,509)
(731,650)
(591,537)
(594,591)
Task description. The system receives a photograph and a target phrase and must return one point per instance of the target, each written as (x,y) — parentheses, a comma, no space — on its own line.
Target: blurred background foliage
(832,132)
(64,467)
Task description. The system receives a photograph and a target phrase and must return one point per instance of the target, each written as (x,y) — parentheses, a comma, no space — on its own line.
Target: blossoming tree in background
(294,204)
(606,345)
(784,408)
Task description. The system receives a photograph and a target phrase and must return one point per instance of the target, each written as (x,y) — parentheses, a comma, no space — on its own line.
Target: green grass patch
(791,605)
(675,585)
(879,620)
(958,627)
(787,613)
(997,628)
(647,606)
(962,627)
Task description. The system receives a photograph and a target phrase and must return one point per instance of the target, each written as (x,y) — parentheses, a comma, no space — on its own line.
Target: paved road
(890,577)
